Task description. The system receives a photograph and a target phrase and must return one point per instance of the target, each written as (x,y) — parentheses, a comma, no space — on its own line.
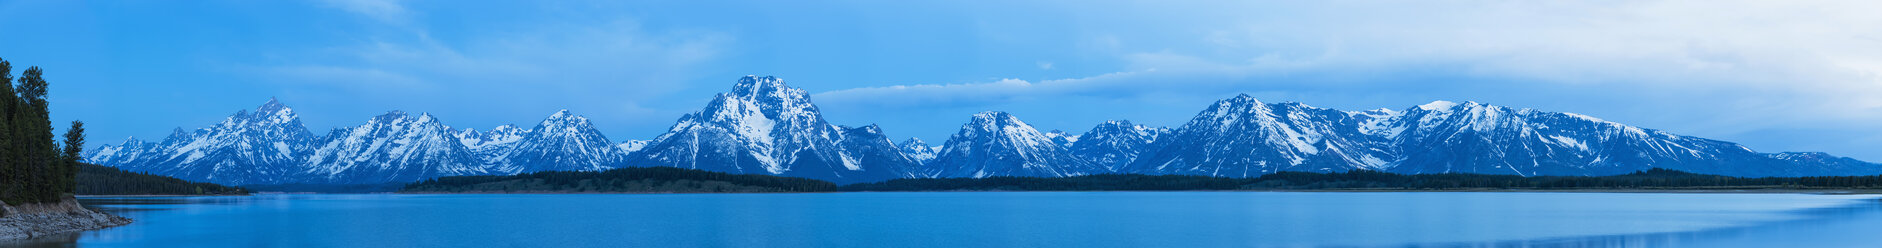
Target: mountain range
(271,146)
(763,126)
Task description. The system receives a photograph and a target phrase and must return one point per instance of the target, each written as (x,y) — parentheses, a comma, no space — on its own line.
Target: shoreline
(101,196)
(1354,190)
(1621,191)
(31,221)
(1618,191)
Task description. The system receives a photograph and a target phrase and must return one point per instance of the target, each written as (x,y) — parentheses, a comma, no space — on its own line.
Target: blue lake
(996,219)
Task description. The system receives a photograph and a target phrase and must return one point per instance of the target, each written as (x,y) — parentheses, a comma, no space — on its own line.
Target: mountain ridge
(763,126)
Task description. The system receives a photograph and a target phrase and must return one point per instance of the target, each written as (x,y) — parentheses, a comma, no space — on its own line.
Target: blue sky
(1775,76)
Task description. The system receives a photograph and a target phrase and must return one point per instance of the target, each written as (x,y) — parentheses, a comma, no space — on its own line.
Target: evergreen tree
(32,128)
(74,149)
(12,176)
(32,167)
(36,136)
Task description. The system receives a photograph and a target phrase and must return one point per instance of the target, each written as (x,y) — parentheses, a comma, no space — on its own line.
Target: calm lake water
(996,219)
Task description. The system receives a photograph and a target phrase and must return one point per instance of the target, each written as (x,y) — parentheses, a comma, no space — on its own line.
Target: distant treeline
(622,180)
(1105,182)
(325,188)
(1363,179)
(34,168)
(101,180)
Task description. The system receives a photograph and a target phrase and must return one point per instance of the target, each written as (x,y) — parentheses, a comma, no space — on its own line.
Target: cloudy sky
(1773,75)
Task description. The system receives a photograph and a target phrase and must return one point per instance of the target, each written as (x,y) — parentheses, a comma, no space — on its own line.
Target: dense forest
(622,180)
(101,180)
(34,168)
(1362,179)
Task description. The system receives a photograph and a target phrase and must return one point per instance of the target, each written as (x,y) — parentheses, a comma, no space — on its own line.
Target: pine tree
(74,148)
(35,136)
(33,169)
(34,147)
(12,177)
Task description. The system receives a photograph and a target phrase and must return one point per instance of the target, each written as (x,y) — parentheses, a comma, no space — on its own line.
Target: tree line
(1102,182)
(621,180)
(34,168)
(102,180)
(1655,178)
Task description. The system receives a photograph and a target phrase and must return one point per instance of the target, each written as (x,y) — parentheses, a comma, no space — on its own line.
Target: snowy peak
(754,87)
(1114,144)
(1242,136)
(270,116)
(765,97)
(563,124)
(1437,105)
(998,144)
(1111,129)
(918,150)
(873,157)
(245,148)
(764,126)
(564,119)
(1243,99)
(992,121)
(496,139)
(273,106)
(393,147)
(130,150)
(561,142)
(270,113)
(1062,138)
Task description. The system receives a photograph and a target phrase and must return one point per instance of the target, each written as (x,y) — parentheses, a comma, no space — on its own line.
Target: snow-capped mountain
(271,146)
(1242,137)
(490,143)
(131,150)
(761,127)
(266,145)
(394,147)
(1114,144)
(561,142)
(918,150)
(998,144)
(765,127)
(1473,137)
(1817,161)
(866,145)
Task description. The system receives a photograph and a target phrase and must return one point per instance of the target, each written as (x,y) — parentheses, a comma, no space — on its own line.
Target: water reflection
(1775,232)
(48,241)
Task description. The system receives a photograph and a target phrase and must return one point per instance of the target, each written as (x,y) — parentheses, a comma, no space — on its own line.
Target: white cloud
(554,55)
(606,67)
